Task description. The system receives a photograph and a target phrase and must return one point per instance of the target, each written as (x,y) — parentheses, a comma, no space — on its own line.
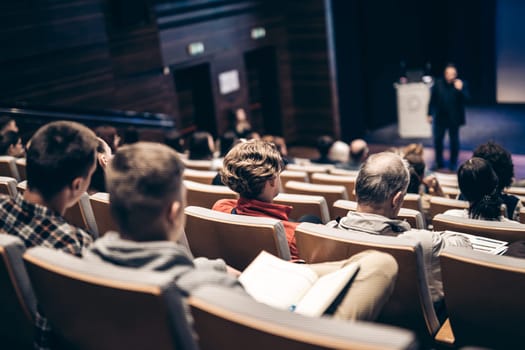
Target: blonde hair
(248,165)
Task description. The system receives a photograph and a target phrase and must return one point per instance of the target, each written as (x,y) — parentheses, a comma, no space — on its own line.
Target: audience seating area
(482,291)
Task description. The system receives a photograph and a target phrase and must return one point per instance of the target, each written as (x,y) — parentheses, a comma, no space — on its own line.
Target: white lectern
(412,109)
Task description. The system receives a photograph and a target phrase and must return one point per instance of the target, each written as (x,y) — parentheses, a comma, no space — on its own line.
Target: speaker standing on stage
(446,110)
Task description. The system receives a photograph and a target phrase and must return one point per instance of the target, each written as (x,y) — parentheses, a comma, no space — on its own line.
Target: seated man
(147,202)
(380,188)
(60,163)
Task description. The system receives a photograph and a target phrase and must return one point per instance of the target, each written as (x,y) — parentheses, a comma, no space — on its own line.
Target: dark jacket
(447,104)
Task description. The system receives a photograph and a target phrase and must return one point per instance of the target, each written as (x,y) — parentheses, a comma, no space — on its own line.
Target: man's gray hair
(381,176)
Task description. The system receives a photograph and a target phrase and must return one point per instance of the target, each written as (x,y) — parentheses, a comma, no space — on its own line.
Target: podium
(412,109)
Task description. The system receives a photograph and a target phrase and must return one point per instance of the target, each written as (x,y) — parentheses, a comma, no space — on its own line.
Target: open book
(295,287)
(484,244)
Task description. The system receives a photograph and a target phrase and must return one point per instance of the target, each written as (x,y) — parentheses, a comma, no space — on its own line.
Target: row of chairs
(110,307)
(410,305)
(13,167)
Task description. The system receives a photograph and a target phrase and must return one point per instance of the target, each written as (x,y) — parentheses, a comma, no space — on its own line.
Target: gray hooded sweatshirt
(431,242)
(162,256)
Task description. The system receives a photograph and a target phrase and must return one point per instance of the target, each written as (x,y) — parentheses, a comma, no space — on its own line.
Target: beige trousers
(371,287)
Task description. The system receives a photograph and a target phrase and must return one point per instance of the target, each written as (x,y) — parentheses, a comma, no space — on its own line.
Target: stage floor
(504,124)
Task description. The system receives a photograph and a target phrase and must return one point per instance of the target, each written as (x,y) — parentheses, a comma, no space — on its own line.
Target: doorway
(263,90)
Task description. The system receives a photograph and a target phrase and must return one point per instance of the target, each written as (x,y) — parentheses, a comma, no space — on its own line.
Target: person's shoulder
(225,205)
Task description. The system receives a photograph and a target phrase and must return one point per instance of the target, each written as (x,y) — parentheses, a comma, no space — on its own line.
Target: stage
(504,124)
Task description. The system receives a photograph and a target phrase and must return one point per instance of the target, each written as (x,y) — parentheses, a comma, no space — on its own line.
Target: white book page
(276,282)
(484,244)
(325,290)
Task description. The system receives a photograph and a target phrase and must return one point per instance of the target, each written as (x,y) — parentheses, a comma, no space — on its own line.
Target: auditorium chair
(81,215)
(21,167)
(8,167)
(410,305)
(21,186)
(100,306)
(224,319)
(310,168)
(484,298)
(17,301)
(413,217)
(304,204)
(291,175)
(450,192)
(197,164)
(439,205)
(328,179)
(344,172)
(412,201)
(8,186)
(237,239)
(202,176)
(100,206)
(331,193)
(205,196)
(447,179)
(505,231)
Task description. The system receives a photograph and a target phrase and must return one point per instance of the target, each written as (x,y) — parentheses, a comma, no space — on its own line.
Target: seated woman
(501,161)
(252,169)
(479,186)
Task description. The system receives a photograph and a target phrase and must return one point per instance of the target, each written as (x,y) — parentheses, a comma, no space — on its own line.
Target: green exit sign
(196,48)
(258,33)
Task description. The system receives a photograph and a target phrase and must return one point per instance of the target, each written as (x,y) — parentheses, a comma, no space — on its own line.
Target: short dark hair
(109,134)
(143,179)
(199,147)
(8,138)
(58,153)
(500,159)
(479,184)
(324,143)
(227,141)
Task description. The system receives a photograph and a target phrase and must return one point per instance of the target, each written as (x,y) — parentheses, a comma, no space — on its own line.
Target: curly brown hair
(249,165)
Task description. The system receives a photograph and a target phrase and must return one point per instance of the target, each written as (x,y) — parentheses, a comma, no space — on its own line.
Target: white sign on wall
(229,81)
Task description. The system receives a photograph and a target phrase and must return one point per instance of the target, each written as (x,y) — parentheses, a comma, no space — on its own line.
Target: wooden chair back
(237,239)
(410,305)
(100,205)
(329,179)
(505,231)
(101,306)
(304,204)
(331,193)
(483,293)
(201,195)
(225,319)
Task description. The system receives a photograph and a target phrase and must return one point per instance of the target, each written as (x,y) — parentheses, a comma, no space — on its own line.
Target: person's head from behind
(174,139)
(104,155)
(417,171)
(450,73)
(381,184)
(110,135)
(479,185)
(339,152)
(501,161)
(11,144)
(227,141)
(279,142)
(252,169)
(200,146)
(147,198)
(358,150)
(324,143)
(61,160)
(8,124)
